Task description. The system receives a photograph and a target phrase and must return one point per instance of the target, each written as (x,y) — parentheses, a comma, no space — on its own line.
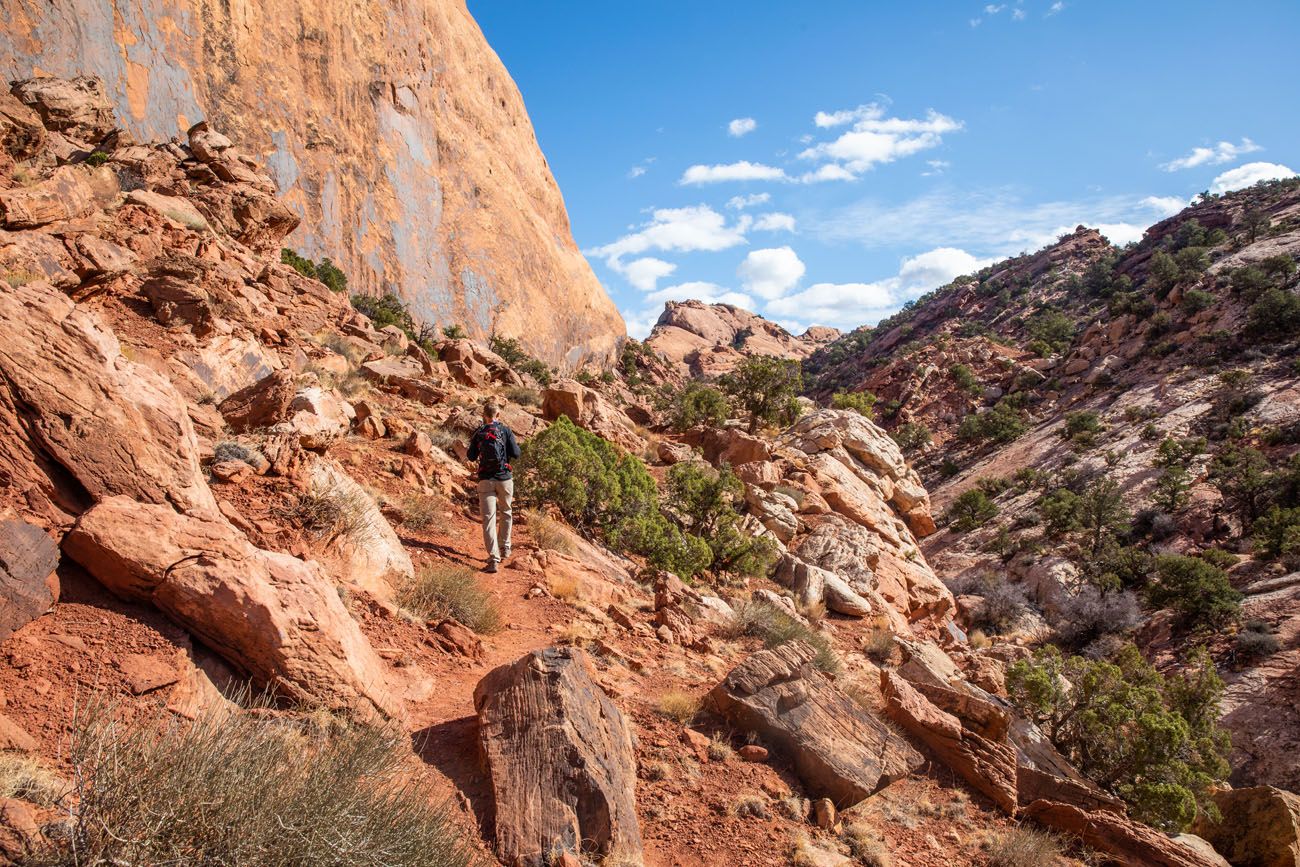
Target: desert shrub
(1257,640)
(1275,315)
(1078,425)
(750,805)
(1053,328)
(694,404)
(454,331)
(1023,846)
(866,845)
(1000,424)
(523,396)
(1196,300)
(1151,740)
(1250,283)
(1225,560)
(965,378)
(233,451)
(327,513)
(601,490)
(1163,272)
(547,532)
(1192,261)
(1243,476)
(447,590)
(233,788)
(912,436)
(706,501)
(1001,605)
(861,402)
(1093,613)
(1198,591)
(419,511)
(678,706)
(23,777)
(1277,533)
(766,387)
(97,158)
(775,627)
(1118,566)
(385,310)
(970,510)
(1097,514)
(325,271)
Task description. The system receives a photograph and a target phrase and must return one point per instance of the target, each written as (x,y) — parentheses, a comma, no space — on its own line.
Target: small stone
(698,742)
(824,813)
(753,753)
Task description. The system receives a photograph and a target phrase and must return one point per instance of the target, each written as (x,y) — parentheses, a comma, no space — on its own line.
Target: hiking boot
(490,567)
(505,555)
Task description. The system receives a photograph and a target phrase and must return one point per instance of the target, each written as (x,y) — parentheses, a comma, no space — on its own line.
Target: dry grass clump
(233,451)
(233,788)
(566,587)
(878,644)
(445,439)
(419,511)
(447,590)
(750,804)
(329,513)
(867,847)
(22,776)
(523,396)
(679,706)
(776,627)
(1023,847)
(547,532)
(720,751)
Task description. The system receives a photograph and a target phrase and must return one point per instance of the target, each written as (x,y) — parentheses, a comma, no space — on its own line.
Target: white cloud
(1223,152)
(741,126)
(743,170)
(848,305)
(937,167)
(698,227)
(873,139)
(739,203)
(774,222)
(1017,15)
(1165,206)
(993,9)
(636,171)
(644,273)
(828,172)
(771,272)
(1055,7)
(1249,175)
(699,290)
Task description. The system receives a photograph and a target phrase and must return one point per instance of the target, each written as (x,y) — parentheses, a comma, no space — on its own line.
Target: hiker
(493,446)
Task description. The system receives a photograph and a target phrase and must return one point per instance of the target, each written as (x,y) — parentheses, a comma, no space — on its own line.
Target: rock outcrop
(707,340)
(561,761)
(1121,838)
(270,614)
(28,585)
(1260,827)
(406,151)
(839,749)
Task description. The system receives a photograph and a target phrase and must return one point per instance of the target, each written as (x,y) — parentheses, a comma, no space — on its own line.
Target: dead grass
(565,587)
(776,627)
(720,751)
(866,846)
(447,590)
(328,513)
(750,804)
(547,532)
(523,396)
(419,511)
(236,788)
(1023,847)
(878,644)
(445,439)
(22,776)
(679,706)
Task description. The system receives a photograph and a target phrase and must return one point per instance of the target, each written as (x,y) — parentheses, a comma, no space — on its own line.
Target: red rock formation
(708,339)
(391,128)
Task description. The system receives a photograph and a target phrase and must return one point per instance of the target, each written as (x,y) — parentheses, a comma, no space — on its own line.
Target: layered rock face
(709,339)
(390,127)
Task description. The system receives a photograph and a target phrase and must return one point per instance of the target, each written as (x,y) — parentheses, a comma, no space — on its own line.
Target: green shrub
(235,788)
(1277,533)
(965,379)
(1053,328)
(1198,590)
(1151,740)
(970,510)
(1000,424)
(447,590)
(326,272)
(454,331)
(766,387)
(1081,424)
(861,402)
(385,310)
(602,490)
(98,158)
(912,436)
(1196,300)
(706,502)
(775,627)
(1163,272)
(694,404)
(1250,283)
(514,355)
(1242,475)
(1275,315)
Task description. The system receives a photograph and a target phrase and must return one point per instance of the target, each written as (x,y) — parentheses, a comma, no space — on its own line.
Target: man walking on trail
(493,446)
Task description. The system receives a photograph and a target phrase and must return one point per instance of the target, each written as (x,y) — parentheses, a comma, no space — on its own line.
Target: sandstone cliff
(389,126)
(709,339)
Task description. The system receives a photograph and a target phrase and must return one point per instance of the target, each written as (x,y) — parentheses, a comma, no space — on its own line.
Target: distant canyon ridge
(390,126)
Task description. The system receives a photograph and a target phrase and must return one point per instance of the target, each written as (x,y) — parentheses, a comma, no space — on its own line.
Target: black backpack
(492,458)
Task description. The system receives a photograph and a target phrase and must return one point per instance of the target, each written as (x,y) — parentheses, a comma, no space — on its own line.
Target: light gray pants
(494,500)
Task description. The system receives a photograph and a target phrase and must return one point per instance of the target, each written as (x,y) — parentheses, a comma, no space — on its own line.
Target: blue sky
(822,163)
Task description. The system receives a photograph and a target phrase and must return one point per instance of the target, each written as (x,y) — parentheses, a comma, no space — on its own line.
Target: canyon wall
(390,126)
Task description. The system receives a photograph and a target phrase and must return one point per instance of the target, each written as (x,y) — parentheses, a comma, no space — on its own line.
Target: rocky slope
(391,129)
(700,339)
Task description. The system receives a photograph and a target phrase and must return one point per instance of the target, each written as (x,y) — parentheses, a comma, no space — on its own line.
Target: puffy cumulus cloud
(770,273)
(743,170)
(741,126)
(1223,152)
(739,203)
(1165,206)
(644,273)
(697,227)
(872,139)
(827,172)
(848,305)
(701,290)
(774,222)
(1249,175)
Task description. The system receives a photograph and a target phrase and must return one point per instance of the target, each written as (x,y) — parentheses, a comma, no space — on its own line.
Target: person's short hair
(490,409)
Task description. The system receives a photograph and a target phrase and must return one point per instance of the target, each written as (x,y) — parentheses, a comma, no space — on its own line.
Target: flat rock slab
(28,585)
(1123,839)
(840,749)
(561,761)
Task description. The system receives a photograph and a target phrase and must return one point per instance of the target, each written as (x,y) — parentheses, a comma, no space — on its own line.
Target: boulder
(587,409)
(560,761)
(78,422)
(369,554)
(261,404)
(813,585)
(475,365)
(1260,827)
(22,135)
(318,416)
(65,195)
(1112,834)
(839,749)
(77,107)
(976,749)
(179,212)
(404,376)
(28,585)
(272,615)
(178,288)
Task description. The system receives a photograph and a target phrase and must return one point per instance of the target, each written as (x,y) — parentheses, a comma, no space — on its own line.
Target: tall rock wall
(390,126)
